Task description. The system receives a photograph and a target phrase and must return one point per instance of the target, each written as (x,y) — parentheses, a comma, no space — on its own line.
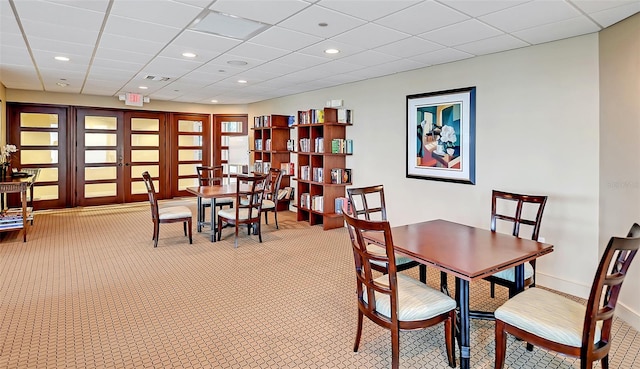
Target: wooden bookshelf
(270,136)
(316,194)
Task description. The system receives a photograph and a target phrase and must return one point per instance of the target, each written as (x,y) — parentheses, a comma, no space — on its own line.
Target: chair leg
(395,347)
(259,229)
(190,238)
(604,362)
(275,216)
(493,290)
(529,347)
(219,228)
(423,273)
(449,333)
(156,231)
(266,217)
(184,225)
(501,344)
(235,241)
(358,332)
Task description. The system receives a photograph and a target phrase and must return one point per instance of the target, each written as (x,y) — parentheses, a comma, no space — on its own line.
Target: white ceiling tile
(492,45)
(15,56)
(119,65)
(258,52)
(270,12)
(611,16)
(531,14)
(422,18)
(370,36)
(409,47)
(199,75)
(558,30)
(116,42)
(397,66)
(45,59)
(203,40)
(461,33)
(286,39)
(59,32)
(99,90)
(203,54)
(95,5)
(277,67)
(318,50)
(441,56)
(367,10)
(369,58)
(142,31)
(71,17)
(163,12)
(61,47)
(476,8)
(66,89)
(17,74)
(307,21)
(301,60)
(8,22)
(105,54)
(593,6)
(169,67)
(199,3)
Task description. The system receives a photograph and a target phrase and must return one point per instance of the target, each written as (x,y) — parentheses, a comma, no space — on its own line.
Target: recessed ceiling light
(242,81)
(323,24)
(227,25)
(237,62)
(189,55)
(61,58)
(331,51)
(143,87)
(214,101)
(62,84)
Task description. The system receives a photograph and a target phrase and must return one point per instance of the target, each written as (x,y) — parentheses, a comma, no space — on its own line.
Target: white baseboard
(623,311)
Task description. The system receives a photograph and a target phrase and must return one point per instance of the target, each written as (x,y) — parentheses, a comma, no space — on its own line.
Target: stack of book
(341,146)
(340,175)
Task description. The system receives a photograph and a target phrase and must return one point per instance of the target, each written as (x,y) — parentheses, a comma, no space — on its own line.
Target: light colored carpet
(88,290)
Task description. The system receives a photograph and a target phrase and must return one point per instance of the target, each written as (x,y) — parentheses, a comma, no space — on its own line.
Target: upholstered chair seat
(510,274)
(174,212)
(375,249)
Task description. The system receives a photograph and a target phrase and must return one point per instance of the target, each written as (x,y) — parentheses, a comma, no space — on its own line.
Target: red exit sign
(133,99)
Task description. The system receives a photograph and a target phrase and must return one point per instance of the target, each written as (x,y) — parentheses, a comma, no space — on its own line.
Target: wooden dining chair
(167,214)
(368,203)
(516,203)
(556,323)
(270,202)
(394,301)
(248,206)
(211,176)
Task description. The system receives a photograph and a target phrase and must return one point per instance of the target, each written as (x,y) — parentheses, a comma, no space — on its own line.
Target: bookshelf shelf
(271,134)
(321,149)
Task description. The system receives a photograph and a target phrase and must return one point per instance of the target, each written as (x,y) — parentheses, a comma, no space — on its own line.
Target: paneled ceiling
(117,46)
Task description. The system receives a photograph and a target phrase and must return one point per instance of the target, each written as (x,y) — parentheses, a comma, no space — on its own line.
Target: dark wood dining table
(468,253)
(211,192)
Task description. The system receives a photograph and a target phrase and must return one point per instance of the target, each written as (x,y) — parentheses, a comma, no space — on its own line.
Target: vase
(450,151)
(3,172)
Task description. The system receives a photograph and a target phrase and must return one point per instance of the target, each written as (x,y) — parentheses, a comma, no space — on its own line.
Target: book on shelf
(345,116)
(291,144)
(291,121)
(282,194)
(341,146)
(287,168)
(340,176)
(346,175)
(317,203)
(349,146)
(339,203)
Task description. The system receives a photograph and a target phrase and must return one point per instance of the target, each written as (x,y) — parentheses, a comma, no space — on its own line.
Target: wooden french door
(40,133)
(190,148)
(113,149)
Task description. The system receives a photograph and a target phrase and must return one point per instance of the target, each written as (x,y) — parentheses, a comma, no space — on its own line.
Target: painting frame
(440,135)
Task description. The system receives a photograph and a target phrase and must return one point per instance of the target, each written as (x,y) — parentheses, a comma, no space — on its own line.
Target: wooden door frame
(64,136)
(171,179)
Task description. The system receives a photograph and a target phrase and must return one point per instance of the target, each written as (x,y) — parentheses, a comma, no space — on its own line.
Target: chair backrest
(605,290)
(151,191)
(367,201)
(274,178)
(34,171)
(249,195)
(516,218)
(210,175)
(365,279)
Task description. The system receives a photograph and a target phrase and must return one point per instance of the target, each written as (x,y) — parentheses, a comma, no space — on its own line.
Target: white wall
(537,132)
(619,148)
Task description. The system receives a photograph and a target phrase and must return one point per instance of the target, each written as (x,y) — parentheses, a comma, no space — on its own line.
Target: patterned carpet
(88,290)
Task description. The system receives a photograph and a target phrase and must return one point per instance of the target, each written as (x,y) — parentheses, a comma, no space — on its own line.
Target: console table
(15,219)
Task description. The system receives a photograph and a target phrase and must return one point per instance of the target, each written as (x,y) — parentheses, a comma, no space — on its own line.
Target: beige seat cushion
(243,214)
(268,204)
(547,315)
(174,212)
(379,250)
(416,300)
(510,274)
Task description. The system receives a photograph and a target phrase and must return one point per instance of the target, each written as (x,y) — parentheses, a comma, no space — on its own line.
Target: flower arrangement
(5,154)
(448,136)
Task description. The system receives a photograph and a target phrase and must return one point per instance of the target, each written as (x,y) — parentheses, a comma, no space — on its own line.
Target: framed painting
(441,135)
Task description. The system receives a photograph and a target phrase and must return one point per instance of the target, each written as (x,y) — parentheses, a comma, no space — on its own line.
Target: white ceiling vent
(149,77)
